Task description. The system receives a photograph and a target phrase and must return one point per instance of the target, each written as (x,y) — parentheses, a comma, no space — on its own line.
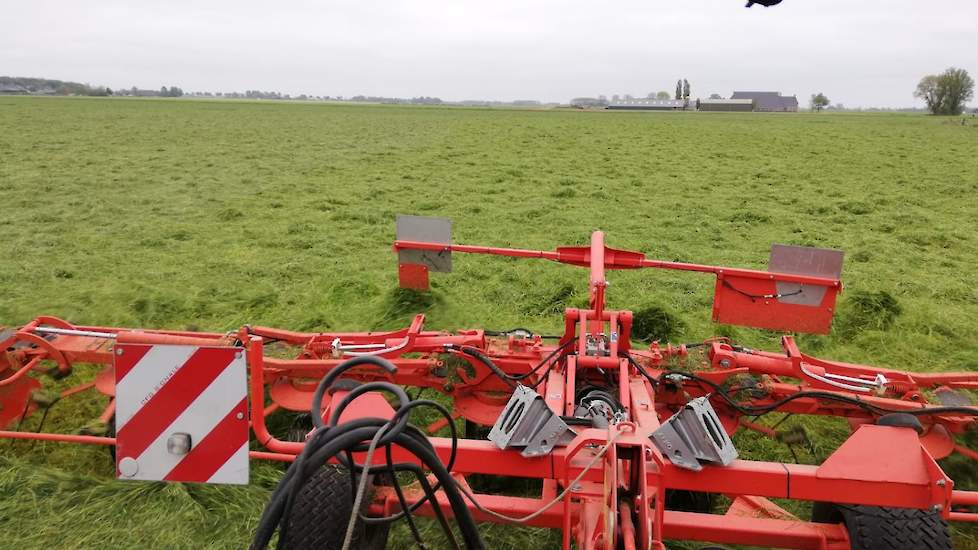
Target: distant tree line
(422,100)
(17,85)
(946,93)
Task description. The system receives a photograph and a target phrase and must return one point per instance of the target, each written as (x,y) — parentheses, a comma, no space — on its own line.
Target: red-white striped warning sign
(181,413)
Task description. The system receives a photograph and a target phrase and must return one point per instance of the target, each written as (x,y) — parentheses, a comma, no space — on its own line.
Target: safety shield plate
(181,413)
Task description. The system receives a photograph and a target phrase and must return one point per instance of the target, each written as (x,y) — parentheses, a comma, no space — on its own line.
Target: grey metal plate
(952,398)
(429,230)
(804,260)
(693,435)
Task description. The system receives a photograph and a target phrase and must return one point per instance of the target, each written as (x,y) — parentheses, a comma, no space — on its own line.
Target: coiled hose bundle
(332,440)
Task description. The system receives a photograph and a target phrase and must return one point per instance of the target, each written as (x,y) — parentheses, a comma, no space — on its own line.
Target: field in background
(213,214)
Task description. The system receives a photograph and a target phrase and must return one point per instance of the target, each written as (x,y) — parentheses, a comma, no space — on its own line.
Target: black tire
(476,431)
(322,510)
(876,528)
(689,501)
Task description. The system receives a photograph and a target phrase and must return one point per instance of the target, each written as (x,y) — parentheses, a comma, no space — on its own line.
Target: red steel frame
(623,499)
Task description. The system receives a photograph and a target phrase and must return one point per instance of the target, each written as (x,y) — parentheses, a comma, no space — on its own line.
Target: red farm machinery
(620,442)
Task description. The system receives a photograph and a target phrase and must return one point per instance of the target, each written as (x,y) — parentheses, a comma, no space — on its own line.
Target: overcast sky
(858,52)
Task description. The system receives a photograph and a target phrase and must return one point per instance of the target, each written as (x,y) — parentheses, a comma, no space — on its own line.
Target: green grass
(213,214)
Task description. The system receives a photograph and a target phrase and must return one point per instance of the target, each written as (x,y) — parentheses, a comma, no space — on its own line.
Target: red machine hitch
(618,411)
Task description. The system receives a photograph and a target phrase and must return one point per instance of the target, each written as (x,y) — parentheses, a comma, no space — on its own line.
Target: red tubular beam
(795,481)
(964,451)
(133,337)
(748,273)
(320,366)
(659,264)
(598,282)
(597,258)
(77,389)
(22,371)
(97,440)
(468,249)
(63,438)
(256,365)
(510,506)
(964,498)
(187,333)
(754,531)
(275,457)
(677,525)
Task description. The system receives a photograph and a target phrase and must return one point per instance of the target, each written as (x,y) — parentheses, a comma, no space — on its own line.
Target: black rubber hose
(815,394)
(638,366)
(332,440)
(424,453)
(332,375)
(504,376)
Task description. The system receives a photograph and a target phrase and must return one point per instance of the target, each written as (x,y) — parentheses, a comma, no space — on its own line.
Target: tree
(958,87)
(819,102)
(929,90)
(164,92)
(679,89)
(662,95)
(716,96)
(946,93)
(686,89)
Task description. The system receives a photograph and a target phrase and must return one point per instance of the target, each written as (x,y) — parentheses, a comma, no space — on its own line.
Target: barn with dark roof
(770,102)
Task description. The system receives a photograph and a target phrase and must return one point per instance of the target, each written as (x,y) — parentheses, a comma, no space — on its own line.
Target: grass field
(213,214)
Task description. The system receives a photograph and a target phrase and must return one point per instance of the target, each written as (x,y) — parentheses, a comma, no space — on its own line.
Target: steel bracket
(693,435)
(528,422)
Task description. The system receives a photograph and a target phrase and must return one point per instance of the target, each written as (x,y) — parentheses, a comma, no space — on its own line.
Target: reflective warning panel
(181,413)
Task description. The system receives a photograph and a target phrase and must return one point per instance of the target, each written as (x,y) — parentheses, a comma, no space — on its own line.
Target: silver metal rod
(862,381)
(352,347)
(72,332)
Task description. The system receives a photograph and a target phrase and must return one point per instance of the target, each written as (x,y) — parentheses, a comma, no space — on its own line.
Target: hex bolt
(936,508)
(239,416)
(725,363)
(941,483)
(118,351)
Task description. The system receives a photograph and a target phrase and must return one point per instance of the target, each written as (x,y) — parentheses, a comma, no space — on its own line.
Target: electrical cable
(755,297)
(641,370)
(511,379)
(557,499)
(815,394)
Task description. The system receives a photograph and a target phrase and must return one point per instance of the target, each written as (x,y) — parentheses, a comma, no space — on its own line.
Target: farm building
(770,102)
(648,104)
(13,89)
(741,105)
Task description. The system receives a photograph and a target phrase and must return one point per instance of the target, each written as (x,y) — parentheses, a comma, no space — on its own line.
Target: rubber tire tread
(322,510)
(876,528)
